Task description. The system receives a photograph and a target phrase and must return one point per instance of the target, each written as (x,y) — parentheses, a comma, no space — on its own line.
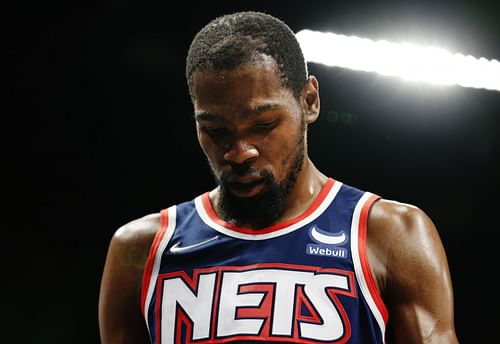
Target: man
(277,252)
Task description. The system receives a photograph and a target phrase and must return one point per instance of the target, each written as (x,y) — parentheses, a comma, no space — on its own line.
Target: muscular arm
(120,318)
(411,268)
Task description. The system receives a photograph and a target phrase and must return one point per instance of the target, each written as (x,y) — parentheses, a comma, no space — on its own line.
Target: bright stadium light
(407,61)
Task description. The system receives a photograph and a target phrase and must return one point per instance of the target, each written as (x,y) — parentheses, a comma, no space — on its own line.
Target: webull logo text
(325,250)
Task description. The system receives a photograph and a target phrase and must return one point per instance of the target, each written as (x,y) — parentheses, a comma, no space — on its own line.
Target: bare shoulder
(134,238)
(120,319)
(400,222)
(410,266)
(139,229)
(400,236)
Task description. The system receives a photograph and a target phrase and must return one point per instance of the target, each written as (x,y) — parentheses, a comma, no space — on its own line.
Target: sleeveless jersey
(303,281)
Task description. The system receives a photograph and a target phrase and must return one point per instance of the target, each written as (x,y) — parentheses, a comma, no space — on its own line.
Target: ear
(310,99)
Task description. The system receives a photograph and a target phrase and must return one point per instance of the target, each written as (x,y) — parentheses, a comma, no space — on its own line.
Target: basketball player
(278,251)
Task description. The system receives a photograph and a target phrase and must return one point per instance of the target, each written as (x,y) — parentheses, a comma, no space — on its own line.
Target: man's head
(253,100)
(231,40)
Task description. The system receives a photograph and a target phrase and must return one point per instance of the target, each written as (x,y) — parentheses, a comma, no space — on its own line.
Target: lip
(246,187)
(246,179)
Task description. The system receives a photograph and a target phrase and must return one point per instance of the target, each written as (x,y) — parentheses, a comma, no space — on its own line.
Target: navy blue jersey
(306,280)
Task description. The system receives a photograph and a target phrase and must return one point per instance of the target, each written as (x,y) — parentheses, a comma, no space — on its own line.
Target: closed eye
(264,126)
(215,131)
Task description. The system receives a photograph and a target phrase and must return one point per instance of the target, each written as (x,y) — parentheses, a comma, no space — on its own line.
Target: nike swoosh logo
(327,238)
(176,248)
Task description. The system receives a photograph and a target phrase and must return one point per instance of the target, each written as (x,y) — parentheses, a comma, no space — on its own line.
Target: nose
(240,152)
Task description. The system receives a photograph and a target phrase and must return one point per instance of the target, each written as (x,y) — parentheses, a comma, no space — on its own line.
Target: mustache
(242,170)
(228,177)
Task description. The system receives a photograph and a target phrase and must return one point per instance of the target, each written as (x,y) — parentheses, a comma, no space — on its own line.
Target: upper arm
(415,282)
(120,316)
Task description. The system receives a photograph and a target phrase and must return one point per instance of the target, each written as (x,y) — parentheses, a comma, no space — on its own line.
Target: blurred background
(98,130)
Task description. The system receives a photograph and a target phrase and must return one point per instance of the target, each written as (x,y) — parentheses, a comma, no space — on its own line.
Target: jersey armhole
(148,267)
(363,256)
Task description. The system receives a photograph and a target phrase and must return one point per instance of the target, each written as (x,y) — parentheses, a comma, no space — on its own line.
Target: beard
(265,208)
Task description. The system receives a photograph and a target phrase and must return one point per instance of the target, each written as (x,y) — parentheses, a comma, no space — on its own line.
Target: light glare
(407,61)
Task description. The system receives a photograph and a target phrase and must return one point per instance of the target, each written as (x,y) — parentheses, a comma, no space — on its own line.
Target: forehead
(247,86)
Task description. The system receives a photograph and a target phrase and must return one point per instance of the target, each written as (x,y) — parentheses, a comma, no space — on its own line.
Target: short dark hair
(234,39)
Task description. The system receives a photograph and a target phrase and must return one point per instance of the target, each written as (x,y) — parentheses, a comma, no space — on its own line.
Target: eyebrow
(254,112)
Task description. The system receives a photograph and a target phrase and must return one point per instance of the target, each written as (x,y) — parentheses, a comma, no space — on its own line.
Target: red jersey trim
(365,266)
(148,268)
(207,205)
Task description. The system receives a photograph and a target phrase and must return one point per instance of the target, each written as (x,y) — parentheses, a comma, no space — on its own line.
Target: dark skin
(246,116)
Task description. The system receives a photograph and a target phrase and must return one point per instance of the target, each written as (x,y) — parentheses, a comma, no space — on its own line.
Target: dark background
(97,130)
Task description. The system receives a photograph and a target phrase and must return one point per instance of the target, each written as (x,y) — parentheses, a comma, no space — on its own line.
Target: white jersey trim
(358,270)
(285,230)
(169,231)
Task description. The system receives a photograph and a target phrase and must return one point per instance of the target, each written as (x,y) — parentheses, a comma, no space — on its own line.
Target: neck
(309,184)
